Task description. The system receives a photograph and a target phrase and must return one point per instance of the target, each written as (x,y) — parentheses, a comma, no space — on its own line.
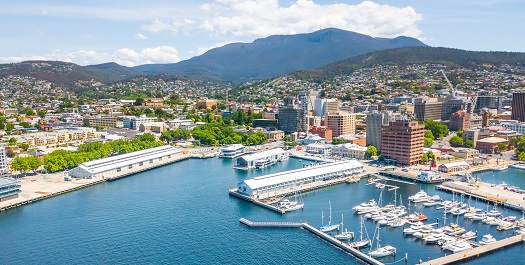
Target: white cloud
(202,50)
(124,56)
(260,18)
(140,36)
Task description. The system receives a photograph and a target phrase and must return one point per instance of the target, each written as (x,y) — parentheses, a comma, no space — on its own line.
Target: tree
(459,133)
(25,124)
(428,142)
(456,141)
(429,134)
(502,147)
(371,151)
(41,113)
(9,127)
(12,141)
(469,144)
(424,159)
(438,129)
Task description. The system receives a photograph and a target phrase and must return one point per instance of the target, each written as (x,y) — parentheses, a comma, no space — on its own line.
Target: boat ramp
(476,252)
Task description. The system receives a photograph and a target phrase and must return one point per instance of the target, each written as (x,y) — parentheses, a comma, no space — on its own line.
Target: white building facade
(113,165)
(289,179)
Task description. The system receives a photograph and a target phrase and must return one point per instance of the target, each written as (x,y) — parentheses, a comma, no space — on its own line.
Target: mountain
(68,74)
(413,55)
(277,55)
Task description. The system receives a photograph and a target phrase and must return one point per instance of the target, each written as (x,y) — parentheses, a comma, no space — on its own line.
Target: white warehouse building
(115,164)
(292,178)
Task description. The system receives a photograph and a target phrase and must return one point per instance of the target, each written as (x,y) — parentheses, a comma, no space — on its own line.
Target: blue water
(182,214)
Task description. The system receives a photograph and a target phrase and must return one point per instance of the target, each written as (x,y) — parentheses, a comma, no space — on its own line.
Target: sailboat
(379,251)
(329,227)
(362,242)
(344,235)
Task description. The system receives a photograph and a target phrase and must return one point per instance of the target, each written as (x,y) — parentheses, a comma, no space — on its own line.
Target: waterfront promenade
(43,186)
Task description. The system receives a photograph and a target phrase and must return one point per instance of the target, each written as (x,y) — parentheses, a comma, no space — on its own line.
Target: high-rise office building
(341,123)
(292,119)
(428,109)
(306,100)
(460,120)
(518,106)
(374,124)
(403,141)
(4,171)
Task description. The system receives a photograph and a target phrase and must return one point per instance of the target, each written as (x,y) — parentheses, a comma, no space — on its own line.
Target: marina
(167,180)
(478,251)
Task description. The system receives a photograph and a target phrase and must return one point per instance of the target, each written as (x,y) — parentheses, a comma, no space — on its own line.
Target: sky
(131,32)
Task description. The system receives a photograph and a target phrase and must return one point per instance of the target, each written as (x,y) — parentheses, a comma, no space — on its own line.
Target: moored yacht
(419,196)
(487,239)
(458,246)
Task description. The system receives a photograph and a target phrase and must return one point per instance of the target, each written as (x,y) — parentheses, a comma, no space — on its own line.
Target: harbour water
(182,214)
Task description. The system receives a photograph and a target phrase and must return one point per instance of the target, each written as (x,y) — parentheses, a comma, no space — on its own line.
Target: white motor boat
(398,223)
(434,237)
(469,234)
(479,217)
(429,203)
(519,166)
(365,206)
(458,211)
(494,213)
(487,239)
(500,168)
(458,246)
(419,196)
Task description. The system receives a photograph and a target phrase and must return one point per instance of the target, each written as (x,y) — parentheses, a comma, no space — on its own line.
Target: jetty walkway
(487,192)
(476,252)
(335,242)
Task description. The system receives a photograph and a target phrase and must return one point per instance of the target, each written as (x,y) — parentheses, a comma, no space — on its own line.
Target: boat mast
(330,220)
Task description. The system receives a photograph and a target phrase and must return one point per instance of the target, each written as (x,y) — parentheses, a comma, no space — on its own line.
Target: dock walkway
(337,243)
(271,224)
(476,252)
(486,192)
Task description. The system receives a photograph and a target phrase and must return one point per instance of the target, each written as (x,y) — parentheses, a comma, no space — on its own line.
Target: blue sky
(165,31)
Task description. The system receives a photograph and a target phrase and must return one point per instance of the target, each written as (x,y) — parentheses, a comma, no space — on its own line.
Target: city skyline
(133,33)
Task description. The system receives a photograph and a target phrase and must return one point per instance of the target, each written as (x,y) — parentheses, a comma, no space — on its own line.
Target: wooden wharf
(476,252)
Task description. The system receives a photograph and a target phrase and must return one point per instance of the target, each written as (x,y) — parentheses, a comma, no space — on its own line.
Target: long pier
(270,224)
(503,199)
(233,192)
(337,243)
(476,252)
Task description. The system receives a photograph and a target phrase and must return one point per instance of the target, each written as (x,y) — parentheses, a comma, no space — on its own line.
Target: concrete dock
(476,252)
(270,224)
(339,244)
(44,186)
(487,192)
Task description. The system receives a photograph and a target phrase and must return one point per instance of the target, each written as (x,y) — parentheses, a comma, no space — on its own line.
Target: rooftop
(493,140)
(261,155)
(301,173)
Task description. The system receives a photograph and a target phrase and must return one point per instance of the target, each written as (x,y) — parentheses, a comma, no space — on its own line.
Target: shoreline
(44,186)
